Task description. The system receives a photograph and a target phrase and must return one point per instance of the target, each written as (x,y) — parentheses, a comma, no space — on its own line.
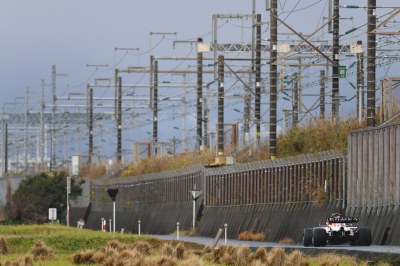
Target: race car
(337,230)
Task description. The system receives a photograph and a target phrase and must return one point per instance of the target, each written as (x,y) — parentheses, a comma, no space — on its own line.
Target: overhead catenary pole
(42,138)
(371,57)
(335,59)
(247,113)
(26,148)
(322,95)
(119,121)
(90,123)
(220,130)
(360,83)
(299,85)
(295,110)
(5,143)
(155,107)
(53,119)
(273,77)
(199,117)
(257,102)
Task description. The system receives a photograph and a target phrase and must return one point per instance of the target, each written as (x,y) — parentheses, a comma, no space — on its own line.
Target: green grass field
(51,244)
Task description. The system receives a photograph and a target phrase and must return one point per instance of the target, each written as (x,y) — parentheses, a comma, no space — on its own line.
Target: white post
(194,214)
(226,232)
(67,209)
(102,224)
(68,191)
(110,225)
(114,215)
(139,227)
(177,231)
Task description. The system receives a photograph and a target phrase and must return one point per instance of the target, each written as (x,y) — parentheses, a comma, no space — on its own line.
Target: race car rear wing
(342,220)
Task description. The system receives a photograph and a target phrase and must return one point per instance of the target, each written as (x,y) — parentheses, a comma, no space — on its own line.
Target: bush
(250,236)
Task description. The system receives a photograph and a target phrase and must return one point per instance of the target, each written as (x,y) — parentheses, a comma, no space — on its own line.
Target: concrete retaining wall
(158,218)
(276,221)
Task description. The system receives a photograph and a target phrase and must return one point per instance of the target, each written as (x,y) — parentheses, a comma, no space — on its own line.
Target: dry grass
(42,252)
(166,163)
(331,259)
(142,246)
(3,246)
(93,171)
(84,257)
(250,236)
(24,261)
(191,261)
(295,259)
(316,137)
(260,255)
(310,138)
(287,241)
(276,256)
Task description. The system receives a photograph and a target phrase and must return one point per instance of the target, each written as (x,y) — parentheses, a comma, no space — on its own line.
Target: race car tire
(307,237)
(364,236)
(319,237)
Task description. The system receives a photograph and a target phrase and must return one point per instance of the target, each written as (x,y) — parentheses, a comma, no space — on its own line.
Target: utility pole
(26,130)
(206,114)
(371,57)
(335,59)
(90,123)
(119,120)
(53,119)
(295,111)
(155,108)
(42,138)
(5,146)
(299,86)
(220,132)
(199,137)
(360,83)
(247,110)
(257,103)
(273,77)
(322,95)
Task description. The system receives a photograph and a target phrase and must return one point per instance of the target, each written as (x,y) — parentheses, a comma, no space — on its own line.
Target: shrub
(287,241)
(295,259)
(3,246)
(84,257)
(42,252)
(260,255)
(142,246)
(249,236)
(276,256)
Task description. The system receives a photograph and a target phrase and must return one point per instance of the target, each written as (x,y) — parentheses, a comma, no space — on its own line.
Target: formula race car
(337,230)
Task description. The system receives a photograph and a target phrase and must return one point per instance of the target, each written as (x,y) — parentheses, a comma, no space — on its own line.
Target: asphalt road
(369,252)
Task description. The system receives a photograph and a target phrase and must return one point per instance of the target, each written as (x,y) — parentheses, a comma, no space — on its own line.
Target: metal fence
(166,187)
(298,179)
(374,167)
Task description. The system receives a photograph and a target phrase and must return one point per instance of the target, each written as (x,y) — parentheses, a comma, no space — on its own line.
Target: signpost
(112,192)
(195,196)
(52,214)
(342,72)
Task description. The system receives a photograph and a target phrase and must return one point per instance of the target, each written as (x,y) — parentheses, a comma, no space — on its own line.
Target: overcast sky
(34,35)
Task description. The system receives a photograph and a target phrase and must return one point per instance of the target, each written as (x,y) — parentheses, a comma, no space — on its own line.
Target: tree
(36,194)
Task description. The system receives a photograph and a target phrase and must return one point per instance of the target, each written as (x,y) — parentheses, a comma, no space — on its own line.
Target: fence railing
(316,177)
(374,167)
